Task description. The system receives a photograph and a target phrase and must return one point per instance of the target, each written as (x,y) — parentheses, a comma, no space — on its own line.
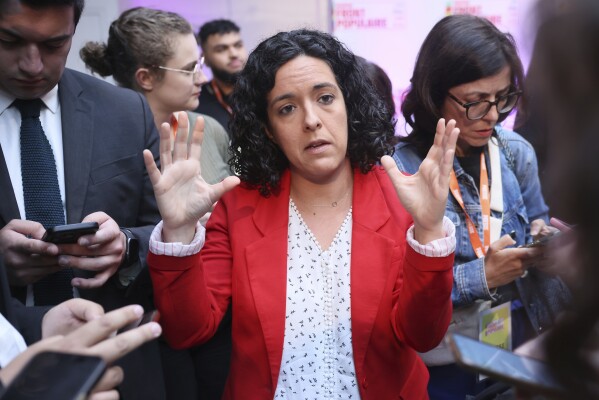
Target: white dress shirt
(11,342)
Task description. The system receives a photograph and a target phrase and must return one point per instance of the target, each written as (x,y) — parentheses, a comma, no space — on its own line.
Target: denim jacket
(542,296)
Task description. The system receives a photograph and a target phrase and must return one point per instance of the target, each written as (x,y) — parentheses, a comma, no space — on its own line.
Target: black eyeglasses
(478,109)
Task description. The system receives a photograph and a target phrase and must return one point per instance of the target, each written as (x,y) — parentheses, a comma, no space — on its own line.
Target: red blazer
(400,300)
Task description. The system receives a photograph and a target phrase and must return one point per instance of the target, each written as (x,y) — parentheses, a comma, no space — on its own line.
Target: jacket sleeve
(192,293)
(28,321)
(470,283)
(422,307)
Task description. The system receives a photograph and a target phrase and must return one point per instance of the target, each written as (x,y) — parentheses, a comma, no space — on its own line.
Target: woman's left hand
(424,194)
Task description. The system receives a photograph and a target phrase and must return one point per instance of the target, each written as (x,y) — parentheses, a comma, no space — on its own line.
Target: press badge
(495,325)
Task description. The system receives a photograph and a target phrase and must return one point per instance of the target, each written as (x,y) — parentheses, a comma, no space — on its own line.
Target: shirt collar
(50,100)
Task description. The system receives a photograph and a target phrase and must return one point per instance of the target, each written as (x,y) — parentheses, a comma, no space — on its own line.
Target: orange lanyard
(219,97)
(485,203)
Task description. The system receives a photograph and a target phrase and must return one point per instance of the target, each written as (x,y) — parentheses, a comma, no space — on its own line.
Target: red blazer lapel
(267,268)
(370,260)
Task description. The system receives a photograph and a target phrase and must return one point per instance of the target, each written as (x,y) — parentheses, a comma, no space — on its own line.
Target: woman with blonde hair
(155,53)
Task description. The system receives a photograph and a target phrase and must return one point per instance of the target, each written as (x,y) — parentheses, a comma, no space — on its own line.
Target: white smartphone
(503,365)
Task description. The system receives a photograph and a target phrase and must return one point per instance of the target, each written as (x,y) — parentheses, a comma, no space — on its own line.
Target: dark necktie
(42,195)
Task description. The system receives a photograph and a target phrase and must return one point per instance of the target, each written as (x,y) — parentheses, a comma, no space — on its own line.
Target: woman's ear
(144,79)
(268,134)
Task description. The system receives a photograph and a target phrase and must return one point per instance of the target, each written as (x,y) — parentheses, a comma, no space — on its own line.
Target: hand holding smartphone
(543,241)
(68,234)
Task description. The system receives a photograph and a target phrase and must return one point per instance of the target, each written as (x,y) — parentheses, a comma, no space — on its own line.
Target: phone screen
(51,375)
(503,365)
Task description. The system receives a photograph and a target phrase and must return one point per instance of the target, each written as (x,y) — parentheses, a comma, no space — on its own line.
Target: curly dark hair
(459,49)
(258,160)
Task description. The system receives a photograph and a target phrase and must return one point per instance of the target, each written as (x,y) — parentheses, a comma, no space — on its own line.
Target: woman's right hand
(505,264)
(182,195)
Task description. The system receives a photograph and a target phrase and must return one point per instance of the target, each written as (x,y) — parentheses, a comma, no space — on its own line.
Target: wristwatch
(131,249)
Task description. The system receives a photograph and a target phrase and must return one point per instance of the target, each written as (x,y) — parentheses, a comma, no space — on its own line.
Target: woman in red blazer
(333,287)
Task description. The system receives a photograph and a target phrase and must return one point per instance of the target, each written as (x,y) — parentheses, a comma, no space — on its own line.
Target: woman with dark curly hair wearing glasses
(337,270)
(469,71)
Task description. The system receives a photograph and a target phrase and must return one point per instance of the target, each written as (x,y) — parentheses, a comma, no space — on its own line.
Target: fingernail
(52,250)
(63,261)
(138,310)
(83,242)
(155,328)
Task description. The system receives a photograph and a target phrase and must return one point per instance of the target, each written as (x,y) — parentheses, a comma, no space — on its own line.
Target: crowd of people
(293,245)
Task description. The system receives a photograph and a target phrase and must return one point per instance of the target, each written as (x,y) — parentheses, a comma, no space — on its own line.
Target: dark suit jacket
(104,129)
(27,320)
(400,300)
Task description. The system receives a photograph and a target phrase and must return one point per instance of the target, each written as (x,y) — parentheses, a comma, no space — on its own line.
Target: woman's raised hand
(424,194)
(182,195)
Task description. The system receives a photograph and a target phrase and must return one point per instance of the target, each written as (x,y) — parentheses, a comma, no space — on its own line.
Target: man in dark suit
(104,130)
(97,133)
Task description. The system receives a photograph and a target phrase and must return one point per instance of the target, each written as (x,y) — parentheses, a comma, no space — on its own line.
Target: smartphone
(149,316)
(64,234)
(52,375)
(543,241)
(503,365)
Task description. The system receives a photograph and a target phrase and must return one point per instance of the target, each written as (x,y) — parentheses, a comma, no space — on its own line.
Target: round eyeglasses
(196,68)
(478,109)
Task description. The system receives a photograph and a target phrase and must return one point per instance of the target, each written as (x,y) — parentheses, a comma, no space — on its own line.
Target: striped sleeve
(437,248)
(176,249)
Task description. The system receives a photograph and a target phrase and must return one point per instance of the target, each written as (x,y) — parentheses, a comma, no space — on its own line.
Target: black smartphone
(503,365)
(149,316)
(64,234)
(52,375)
(543,241)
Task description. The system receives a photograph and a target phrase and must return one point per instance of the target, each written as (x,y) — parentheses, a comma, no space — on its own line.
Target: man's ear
(144,79)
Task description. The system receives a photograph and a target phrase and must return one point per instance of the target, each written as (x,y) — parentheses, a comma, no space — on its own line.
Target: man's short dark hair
(216,27)
(77,5)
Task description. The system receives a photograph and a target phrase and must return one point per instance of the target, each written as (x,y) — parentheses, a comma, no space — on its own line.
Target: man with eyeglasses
(225,54)
(71,151)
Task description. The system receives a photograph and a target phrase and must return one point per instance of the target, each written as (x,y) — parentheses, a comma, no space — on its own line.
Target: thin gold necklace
(329,205)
